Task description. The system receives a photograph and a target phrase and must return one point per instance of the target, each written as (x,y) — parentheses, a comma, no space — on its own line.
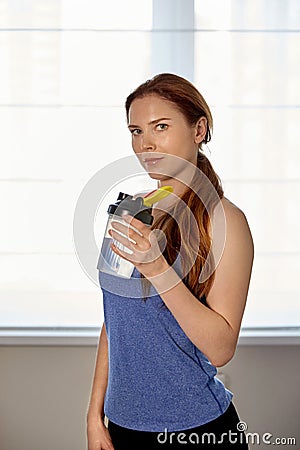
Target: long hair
(194,246)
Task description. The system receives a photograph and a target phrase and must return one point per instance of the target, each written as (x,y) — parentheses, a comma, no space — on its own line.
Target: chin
(158,176)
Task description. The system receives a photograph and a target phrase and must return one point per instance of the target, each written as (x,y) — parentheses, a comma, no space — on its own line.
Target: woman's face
(160,130)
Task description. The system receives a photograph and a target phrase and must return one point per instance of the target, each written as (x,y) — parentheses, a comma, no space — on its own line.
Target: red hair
(192,105)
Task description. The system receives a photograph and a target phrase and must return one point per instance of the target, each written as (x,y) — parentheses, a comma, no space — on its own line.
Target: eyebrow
(150,123)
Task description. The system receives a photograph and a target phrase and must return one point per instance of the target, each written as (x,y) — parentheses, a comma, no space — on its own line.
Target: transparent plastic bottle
(109,262)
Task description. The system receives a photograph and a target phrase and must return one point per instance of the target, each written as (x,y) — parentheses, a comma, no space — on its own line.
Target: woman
(159,388)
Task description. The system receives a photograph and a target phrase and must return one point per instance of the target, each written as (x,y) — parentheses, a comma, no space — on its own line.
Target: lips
(151,159)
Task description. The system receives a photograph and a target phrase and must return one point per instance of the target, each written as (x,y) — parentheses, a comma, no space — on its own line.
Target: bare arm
(215,330)
(97,433)
(96,404)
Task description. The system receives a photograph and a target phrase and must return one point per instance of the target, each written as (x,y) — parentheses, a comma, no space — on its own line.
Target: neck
(179,186)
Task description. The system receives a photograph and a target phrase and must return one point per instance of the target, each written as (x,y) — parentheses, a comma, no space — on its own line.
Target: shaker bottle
(109,261)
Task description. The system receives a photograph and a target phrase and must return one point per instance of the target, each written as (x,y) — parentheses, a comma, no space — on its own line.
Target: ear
(200,130)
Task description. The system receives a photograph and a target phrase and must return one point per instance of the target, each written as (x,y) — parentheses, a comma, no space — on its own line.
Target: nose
(148,142)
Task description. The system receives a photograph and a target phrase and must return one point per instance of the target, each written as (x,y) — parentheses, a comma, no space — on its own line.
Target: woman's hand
(146,256)
(98,435)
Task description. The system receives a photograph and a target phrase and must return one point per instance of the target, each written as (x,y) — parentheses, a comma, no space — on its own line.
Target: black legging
(127,439)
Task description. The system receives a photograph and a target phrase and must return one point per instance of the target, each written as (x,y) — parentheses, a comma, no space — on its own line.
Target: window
(247,64)
(66,70)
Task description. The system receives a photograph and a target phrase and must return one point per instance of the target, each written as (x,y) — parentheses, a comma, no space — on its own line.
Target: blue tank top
(157,377)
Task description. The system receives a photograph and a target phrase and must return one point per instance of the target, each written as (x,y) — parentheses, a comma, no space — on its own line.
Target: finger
(136,223)
(108,443)
(122,239)
(133,258)
(127,231)
(139,256)
(157,237)
(107,446)
(124,227)
(120,252)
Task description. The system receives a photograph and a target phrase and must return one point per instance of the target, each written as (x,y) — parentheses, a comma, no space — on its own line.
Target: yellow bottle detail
(156,196)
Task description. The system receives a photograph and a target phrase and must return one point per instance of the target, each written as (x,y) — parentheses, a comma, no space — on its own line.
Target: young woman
(157,355)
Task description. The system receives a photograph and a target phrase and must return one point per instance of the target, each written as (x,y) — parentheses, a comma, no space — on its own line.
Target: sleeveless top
(157,379)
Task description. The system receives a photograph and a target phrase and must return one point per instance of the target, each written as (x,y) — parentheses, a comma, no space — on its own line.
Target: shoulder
(231,237)
(232,210)
(236,220)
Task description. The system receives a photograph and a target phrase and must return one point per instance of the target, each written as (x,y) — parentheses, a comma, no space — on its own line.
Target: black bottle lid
(135,207)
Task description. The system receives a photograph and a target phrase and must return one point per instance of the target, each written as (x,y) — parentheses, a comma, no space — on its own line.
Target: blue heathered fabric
(157,377)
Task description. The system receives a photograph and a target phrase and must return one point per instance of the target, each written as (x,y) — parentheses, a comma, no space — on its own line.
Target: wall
(44,394)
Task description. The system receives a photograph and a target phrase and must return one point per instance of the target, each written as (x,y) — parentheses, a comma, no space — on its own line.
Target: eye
(161,126)
(135,131)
